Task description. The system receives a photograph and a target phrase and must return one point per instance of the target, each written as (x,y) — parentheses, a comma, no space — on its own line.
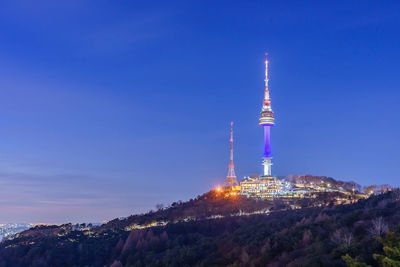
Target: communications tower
(231,181)
(267,120)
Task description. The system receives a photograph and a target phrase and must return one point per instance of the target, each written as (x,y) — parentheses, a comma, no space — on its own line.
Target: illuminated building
(231,182)
(263,187)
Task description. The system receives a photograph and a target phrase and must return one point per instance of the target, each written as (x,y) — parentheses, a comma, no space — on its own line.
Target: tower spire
(231,180)
(267,115)
(267,101)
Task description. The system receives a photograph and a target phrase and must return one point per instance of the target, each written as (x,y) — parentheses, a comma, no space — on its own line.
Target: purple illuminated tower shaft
(267,145)
(267,120)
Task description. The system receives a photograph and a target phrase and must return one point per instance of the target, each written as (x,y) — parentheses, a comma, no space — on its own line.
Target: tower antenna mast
(231,181)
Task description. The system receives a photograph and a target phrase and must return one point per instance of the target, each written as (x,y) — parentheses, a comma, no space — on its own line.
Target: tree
(159,206)
(379,227)
(307,238)
(391,247)
(353,263)
(342,237)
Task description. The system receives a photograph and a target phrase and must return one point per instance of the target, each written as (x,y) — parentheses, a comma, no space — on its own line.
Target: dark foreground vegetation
(311,236)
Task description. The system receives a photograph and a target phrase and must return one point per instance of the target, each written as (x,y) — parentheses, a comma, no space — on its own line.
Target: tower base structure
(267,163)
(231,184)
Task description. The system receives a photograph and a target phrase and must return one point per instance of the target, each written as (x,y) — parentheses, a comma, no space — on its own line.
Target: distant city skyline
(107,109)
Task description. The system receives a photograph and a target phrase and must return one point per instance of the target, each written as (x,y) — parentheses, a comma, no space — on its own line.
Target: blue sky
(110,107)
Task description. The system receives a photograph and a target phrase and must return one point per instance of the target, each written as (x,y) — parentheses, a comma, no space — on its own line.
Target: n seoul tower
(267,120)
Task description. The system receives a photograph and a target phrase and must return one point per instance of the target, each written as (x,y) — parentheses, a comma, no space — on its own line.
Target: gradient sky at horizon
(110,107)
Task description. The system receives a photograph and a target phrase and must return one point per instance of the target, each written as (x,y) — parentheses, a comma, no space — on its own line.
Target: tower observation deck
(267,120)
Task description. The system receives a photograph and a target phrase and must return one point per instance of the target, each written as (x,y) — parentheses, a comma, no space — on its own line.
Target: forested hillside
(311,236)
